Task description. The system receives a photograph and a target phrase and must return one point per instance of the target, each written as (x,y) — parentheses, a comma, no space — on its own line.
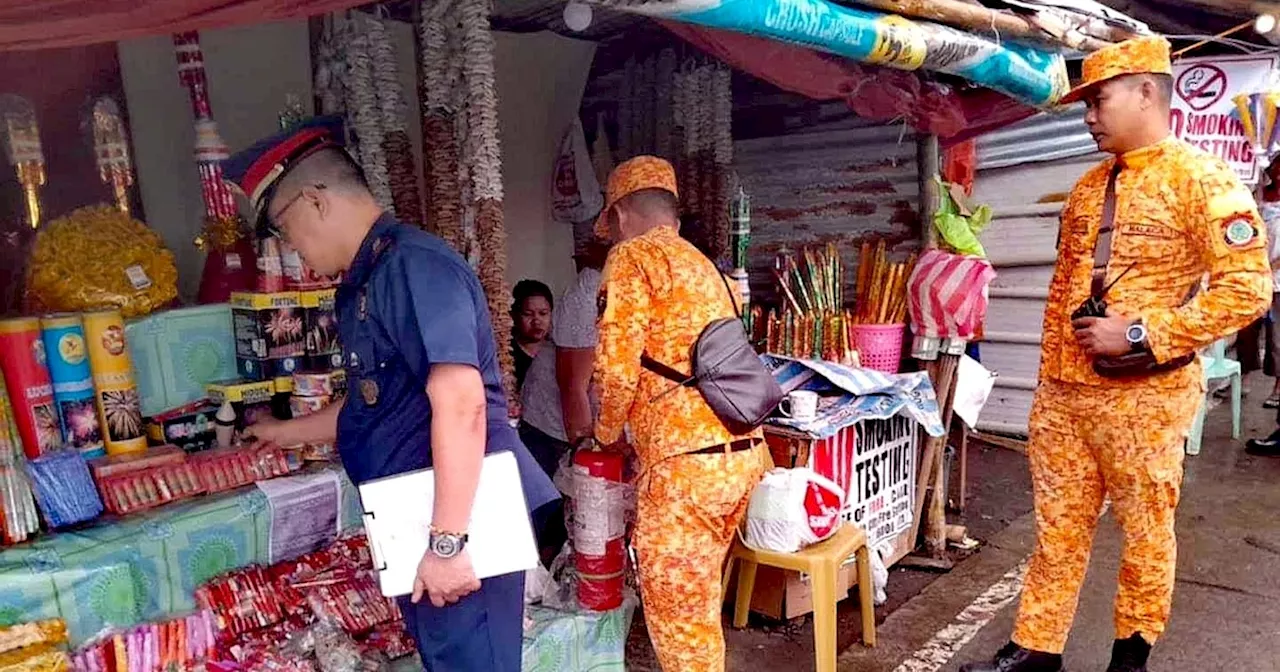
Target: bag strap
(671,374)
(1102,247)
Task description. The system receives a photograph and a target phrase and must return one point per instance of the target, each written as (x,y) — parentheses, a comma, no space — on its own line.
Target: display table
(560,641)
(145,566)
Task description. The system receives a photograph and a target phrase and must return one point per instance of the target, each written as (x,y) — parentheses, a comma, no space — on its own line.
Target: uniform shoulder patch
(1240,231)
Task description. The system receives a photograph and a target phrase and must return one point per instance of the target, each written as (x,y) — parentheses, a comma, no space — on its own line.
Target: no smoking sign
(1201,86)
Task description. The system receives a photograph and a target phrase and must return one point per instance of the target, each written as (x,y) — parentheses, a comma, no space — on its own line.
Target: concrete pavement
(1226,613)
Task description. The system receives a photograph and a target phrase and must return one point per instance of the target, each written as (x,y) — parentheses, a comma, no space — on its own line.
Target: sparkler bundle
(816,320)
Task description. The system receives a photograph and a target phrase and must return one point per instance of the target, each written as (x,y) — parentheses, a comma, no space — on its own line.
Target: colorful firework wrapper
(51,632)
(68,359)
(23,359)
(64,488)
(119,408)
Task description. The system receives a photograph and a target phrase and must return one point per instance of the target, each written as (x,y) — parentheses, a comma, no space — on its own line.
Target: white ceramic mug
(800,405)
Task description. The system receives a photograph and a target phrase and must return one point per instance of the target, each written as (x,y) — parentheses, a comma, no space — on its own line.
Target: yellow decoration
(899,43)
(100,258)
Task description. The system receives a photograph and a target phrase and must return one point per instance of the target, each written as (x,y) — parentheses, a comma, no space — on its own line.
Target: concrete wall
(540,82)
(251,70)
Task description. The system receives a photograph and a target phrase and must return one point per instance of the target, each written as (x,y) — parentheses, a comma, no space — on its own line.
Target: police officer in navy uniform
(424,383)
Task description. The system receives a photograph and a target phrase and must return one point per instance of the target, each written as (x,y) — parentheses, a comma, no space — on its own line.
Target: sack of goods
(791,509)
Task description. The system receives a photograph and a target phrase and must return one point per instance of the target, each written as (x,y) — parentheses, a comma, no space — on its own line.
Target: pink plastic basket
(879,346)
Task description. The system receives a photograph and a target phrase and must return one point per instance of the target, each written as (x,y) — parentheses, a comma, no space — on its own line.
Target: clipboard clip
(379,564)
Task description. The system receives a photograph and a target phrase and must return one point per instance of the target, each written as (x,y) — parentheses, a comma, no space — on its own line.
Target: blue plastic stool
(1216,366)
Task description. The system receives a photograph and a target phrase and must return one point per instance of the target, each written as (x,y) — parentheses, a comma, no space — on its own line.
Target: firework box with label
(68,359)
(323,351)
(176,353)
(191,427)
(119,410)
(250,399)
(269,333)
(26,376)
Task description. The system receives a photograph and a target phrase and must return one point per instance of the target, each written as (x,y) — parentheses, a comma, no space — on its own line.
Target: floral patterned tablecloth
(142,567)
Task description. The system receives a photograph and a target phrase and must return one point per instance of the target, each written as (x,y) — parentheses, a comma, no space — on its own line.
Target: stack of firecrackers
(34,647)
(284,618)
(816,322)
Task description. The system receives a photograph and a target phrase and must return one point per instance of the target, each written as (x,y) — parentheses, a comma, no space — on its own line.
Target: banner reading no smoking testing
(1203,109)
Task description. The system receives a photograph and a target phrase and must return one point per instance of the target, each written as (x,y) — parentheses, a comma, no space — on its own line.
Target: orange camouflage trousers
(687,511)
(1088,443)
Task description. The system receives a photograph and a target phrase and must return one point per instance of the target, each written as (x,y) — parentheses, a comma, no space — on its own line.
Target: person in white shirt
(558,408)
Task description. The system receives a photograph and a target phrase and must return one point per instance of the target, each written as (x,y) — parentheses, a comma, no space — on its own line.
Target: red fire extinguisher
(601,577)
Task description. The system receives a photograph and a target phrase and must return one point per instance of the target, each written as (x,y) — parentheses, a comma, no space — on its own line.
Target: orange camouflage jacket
(657,294)
(1182,217)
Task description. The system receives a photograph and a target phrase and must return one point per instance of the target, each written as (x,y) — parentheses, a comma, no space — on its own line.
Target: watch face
(1137,334)
(444,546)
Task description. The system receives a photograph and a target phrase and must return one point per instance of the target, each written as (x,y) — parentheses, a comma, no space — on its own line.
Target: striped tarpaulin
(948,295)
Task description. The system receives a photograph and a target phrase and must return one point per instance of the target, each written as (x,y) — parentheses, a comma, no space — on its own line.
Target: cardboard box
(270,333)
(321,321)
(782,595)
(190,428)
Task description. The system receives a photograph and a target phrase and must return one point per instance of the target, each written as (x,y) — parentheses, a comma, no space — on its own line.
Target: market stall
(147,530)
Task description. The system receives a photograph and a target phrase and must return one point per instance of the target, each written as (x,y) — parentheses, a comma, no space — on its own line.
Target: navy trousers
(483,632)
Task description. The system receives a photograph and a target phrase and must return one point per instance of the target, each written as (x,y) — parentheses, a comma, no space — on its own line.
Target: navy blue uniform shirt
(408,302)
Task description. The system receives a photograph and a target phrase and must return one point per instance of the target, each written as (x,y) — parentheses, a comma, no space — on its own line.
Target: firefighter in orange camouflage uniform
(1181,219)
(657,294)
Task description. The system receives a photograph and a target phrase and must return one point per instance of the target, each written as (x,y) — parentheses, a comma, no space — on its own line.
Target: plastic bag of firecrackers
(34,647)
(277,618)
(1257,112)
(99,257)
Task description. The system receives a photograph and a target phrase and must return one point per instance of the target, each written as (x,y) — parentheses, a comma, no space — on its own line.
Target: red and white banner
(1203,112)
(874,463)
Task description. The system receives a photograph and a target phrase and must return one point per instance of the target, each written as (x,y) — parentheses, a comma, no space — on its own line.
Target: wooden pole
(929,160)
(983,21)
(935,531)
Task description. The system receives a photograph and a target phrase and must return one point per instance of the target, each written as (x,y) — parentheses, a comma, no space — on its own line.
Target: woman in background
(531,314)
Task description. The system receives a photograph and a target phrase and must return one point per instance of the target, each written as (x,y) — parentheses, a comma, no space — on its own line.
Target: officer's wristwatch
(1136,334)
(446,544)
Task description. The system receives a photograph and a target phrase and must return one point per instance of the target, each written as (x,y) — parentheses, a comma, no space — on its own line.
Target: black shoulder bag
(727,372)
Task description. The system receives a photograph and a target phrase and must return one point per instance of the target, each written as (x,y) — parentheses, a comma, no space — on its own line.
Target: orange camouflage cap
(634,174)
(1141,55)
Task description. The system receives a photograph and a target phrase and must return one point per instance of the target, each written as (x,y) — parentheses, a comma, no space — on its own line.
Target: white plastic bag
(791,509)
(575,191)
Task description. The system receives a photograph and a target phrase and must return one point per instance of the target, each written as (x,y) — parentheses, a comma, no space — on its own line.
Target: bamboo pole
(1092,36)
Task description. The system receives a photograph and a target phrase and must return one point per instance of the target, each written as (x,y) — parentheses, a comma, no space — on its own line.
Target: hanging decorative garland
(402,171)
(440,148)
(484,156)
(721,144)
(664,86)
(362,111)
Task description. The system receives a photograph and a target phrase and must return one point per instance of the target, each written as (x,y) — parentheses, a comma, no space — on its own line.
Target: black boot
(1129,655)
(1014,658)
(1268,447)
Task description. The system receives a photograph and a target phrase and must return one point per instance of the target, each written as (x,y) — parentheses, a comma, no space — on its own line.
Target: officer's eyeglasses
(273,221)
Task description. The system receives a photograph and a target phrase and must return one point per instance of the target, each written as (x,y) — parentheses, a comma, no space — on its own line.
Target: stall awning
(27,24)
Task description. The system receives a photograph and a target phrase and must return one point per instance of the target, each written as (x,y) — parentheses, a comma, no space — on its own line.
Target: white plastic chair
(1217,366)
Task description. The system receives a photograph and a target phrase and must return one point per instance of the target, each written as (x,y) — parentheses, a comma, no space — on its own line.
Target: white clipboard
(397,518)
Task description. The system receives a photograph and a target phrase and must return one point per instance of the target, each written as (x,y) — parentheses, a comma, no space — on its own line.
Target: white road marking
(947,642)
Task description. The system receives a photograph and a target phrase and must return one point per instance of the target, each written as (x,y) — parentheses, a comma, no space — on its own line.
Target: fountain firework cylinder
(22,357)
(119,409)
(64,348)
